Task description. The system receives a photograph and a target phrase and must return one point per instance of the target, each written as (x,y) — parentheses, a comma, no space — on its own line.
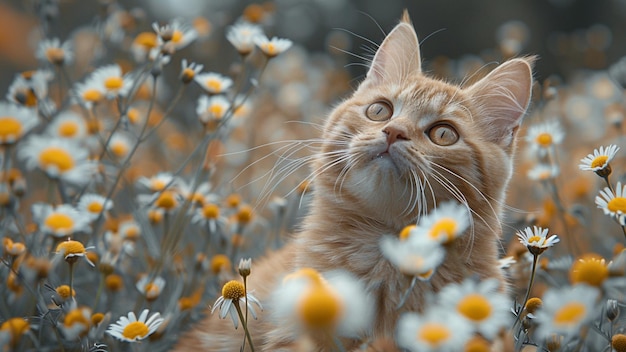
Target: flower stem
(244,323)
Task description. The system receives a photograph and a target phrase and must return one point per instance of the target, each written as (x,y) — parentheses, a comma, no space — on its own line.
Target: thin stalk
(244,323)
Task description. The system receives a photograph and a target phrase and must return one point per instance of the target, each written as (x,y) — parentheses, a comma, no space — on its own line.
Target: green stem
(244,323)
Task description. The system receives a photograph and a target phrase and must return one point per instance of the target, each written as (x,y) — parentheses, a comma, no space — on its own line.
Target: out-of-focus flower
(76,323)
(15,122)
(590,269)
(72,251)
(120,145)
(176,33)
(89,93)
(59,221)
(213,83)
(112,80)
(445,223)
(157,182)
(272,47)
(15,328)
(189,71)
(416,257)
(543,172)
(68,125)
(93,205)
(439,329)
(212,109)
(151,288)
(143,43)
(543,136)
(241,35)
(131,329)
(52,51)
(30,89)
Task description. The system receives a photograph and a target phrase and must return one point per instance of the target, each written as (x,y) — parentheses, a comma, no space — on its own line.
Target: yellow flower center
(599,161)
(475,307)
(10,127)
(216,110)
(406,232)
(68,129)
(16,327)
(133,115)
(132,232)
(64,291)
(591,271)
(445,227)
(157,184)
(119,149)
(92,95)
(477,344)
(55,55)
(95,207)
(219,262)
(135,329)
(177,36)
(434,333)
(319,308)
(270,49)
(618,341)
(214,85)
(114,282)
(97,318)
(70,248)
(535,239)
(245,214)
(544,139)
(570,313)
(146,39)
(59,221)
(75,316)
(211,211)
(233,290)
(533,304)
(113,83)
(166,200)
(58,157)
(617,204)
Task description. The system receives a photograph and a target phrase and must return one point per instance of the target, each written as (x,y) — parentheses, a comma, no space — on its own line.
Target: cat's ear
(398,55)
(502,98)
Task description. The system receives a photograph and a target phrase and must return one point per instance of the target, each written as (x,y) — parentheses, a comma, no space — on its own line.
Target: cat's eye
(443,134)
(379,111)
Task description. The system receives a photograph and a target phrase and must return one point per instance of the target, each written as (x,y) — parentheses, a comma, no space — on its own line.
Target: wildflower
(76,323)
(212,109)
(413,257)
(176,33)
(213,83)
(533,304)
(272,48)
(89,93)
(219,263)
(233,294)
(612,204)
(536,239)
(447,222)
(72,251)
(15,328)
(241,36)
(114,282)
(189,71)
(52,51)
(544,136)
(112,80)
(58,158)
(64,292)
(543,172)
(565,310)
(480,303)
(143,43)
(437,330)
(151,289)
(93,205)
(131,329)
(129,230)
(68,125)
(158,182)
(13,249)
(598,162)
(15,122)
(30,89)
(59,221)
(591,269)
(244,267)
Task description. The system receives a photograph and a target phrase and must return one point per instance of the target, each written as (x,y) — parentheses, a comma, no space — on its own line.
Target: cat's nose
(395,133)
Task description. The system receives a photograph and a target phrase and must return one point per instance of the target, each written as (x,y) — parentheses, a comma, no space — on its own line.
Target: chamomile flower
(11,248)
(142,44)
(212,109)
(112,80)
(543,136)
(157,182)
(241,35)
(598,162)
(131,329)
(233,296)
(30,89)
(543,172)
(536,239)
(189,71)
(73,251)
(209,217)
(68,125)
(437,330)
(565,310)
(120,145)
(14,328)
(59,221)
(416,257)
(213,83)
(272,47)
(591,269)
(175,33)
(15,122)
(93,205)
(481,303)
(89,93)
(52,51)
(612,204)
(151,288)
(58,158)
(447,222)
(76,323)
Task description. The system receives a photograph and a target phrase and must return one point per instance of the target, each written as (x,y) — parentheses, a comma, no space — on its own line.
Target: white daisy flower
(600,159)
(68,125)
(417,257)
(438,330)
(335,302)
(612,204)
(536,239)
(445,223)
(120,145)
(189,71)
(58,158)
(272,47)
(131,329)
(506,262)
(73,250)
(158,182)
(89,93)
(76,323)
(481,303)
(112,80)
(543,136)
(52,51)
(543,172)
(151,288)
(565,310)
(143,43)
(15,122)
(212,108)
(241,35)
(213,83)
(93,205)
(129,230)
(59,221)
(30,89)
(233,296)
(209,217)
(176,33)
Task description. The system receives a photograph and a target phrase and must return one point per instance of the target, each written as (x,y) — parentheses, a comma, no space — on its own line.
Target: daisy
(447,222)
(89,93)
(131,329)
(158,182)
(93,205)
(176,33)
(14,328)
(481,303)
(437,330)
(143,43)
(15,122)
(112,80)
(233,295)
(209,217)
(151,289)
(59,221)
(72,251)
(76,323)
(212,109)
(68,125)
(52,51)
(30,89)
(565,310)
(58,158)
(598,162)
(273,47)
(120,145)
(536,239)
(612,204)
(241,36)
(543,172)
(189,71)
(543,136)
(13,249)
(591,269)
(418,258)
(213,83)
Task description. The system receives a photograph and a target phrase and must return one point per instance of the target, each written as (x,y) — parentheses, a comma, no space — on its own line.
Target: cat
(400,130)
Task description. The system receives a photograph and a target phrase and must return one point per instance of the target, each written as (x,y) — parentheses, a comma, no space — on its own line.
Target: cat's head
(404,141)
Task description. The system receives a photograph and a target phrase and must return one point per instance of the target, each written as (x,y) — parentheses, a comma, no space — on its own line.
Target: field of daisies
(146,164)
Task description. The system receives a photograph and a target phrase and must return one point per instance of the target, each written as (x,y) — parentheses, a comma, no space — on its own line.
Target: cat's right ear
(398,55)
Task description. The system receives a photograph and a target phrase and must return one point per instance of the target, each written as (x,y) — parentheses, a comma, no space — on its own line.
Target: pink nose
(395,133)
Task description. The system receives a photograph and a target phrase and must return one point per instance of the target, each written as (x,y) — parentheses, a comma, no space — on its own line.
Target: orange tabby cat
(401,144)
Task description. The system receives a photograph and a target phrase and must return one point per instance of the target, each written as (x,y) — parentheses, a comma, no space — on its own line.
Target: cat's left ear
(502,99)
(398,55)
